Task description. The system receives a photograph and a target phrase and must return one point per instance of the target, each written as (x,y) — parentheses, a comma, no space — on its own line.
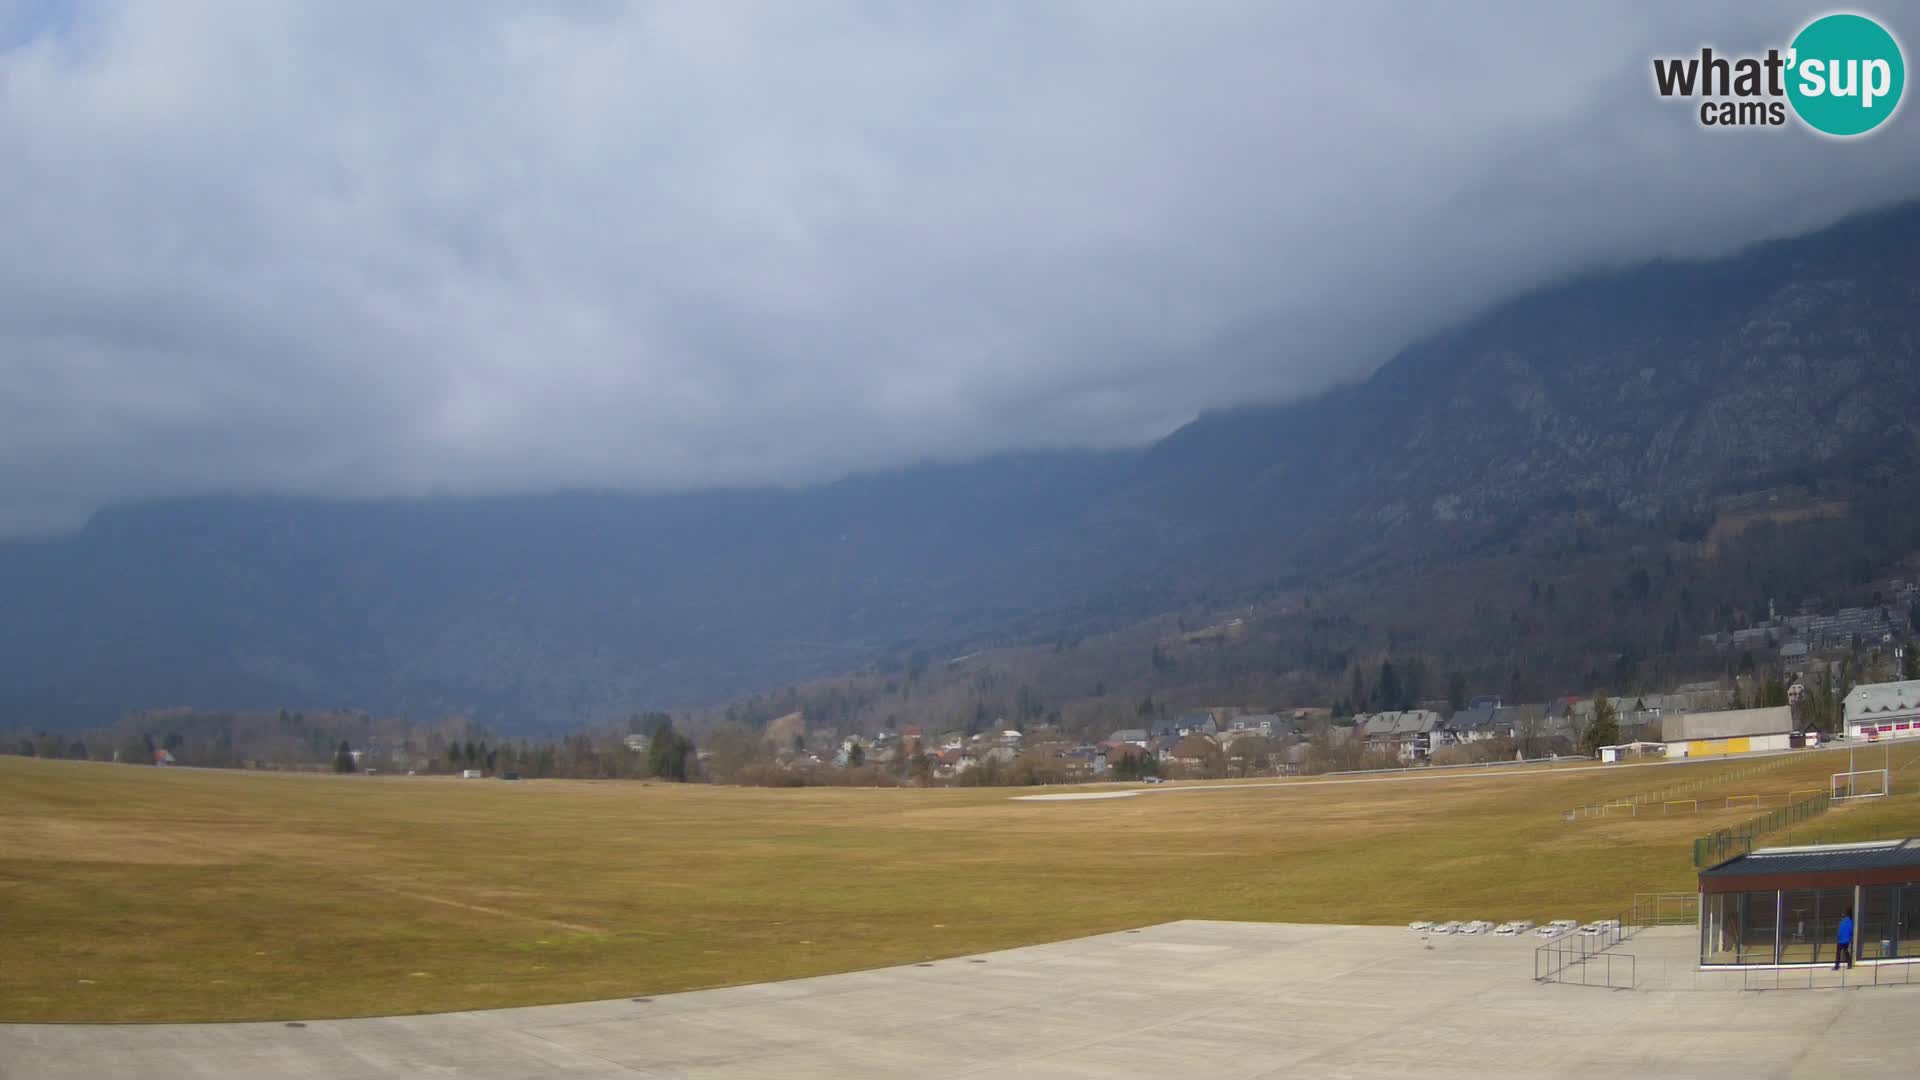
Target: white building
(1409,734)
(1254,724)
(1732,731)
(1625,751)
(1882,711)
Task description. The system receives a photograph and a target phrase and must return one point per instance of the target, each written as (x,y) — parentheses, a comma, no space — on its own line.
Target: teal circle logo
(1846,74)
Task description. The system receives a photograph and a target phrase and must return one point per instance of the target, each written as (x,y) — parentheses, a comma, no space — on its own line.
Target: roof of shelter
(1820,859)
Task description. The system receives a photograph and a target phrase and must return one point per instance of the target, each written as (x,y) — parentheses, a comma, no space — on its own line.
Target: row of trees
(327,742)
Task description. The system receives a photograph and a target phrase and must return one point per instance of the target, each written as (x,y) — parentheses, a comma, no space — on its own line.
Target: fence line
(1670,807)
(1672,792)
(1723,844)
(1666,909)
(1549,759)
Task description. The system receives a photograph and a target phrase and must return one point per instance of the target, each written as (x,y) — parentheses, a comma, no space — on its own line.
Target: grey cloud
(361,248)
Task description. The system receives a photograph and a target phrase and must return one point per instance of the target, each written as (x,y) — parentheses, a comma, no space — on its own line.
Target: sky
(361,248)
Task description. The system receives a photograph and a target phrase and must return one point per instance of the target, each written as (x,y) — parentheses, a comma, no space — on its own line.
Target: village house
(1250,754)
(1882,711)
(1197,723)
(1114,753)
(1161,747)
(1408,734)
(1195,751)
(948,764)
(1478,723)
(1050,752)
(1292,761)
(1567,709)
(1082,761)
(844,755)
(1566,719)
(1254,724)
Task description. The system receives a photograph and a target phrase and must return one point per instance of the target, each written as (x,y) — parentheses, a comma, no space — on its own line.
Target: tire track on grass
(447,901)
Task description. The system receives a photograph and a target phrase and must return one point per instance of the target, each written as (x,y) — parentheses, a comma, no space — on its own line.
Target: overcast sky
(375,248)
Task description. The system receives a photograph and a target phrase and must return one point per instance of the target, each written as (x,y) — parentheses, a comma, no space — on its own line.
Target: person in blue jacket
(1845,941)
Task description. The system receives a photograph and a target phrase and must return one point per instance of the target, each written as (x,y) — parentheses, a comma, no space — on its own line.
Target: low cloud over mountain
(359,249)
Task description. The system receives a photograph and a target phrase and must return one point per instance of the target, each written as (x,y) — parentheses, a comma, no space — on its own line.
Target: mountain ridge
(1635,394)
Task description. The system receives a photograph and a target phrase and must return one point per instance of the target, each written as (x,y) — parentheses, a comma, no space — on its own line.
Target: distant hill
(1631,397)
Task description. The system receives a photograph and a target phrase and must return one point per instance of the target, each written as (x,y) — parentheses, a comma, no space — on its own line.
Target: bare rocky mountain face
(1630,391)
(1637,396)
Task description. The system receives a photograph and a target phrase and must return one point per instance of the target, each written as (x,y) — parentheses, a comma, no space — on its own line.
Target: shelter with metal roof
(1780,907)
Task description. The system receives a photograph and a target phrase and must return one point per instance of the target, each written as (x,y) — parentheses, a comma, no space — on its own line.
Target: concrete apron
(1188,998)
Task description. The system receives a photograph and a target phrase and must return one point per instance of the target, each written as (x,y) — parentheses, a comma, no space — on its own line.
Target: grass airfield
(142,894)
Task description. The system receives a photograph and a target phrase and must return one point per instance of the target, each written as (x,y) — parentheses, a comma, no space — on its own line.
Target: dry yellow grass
(150,894)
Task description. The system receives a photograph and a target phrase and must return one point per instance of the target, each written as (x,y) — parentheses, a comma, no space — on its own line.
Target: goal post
(1742,800)
(1863,784)
(1670,805)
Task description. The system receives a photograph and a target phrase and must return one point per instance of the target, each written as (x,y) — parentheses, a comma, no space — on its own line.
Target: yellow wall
(1710,747)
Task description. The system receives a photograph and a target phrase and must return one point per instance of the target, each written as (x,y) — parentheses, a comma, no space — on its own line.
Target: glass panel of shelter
(1809,923)
(1720,929)
(1755,930)
(1835,904)
(1908,920)
(1803,925)
(1876,937)
(1799,926)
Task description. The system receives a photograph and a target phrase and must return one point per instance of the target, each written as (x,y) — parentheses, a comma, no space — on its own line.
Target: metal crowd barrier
(1586,960)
